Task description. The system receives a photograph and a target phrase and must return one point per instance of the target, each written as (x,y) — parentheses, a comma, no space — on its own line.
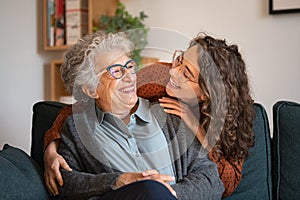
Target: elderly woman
(114,141)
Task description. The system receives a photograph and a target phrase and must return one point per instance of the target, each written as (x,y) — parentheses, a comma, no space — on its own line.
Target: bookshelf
(96,8)
(54,87)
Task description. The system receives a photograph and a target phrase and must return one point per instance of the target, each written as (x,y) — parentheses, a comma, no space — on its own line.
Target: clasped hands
(53,161)
(131,177)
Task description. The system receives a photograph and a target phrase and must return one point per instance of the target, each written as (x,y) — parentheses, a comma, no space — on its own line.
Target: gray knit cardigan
(196,176)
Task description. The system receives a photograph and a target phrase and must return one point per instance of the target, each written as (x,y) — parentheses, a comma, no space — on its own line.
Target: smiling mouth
(128,90)
(173,84)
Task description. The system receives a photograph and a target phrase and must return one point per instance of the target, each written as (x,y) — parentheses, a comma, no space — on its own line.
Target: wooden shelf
(57,88)
(96,8)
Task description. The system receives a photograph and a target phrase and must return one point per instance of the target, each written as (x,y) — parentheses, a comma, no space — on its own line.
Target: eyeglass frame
(107,69)
(180,63)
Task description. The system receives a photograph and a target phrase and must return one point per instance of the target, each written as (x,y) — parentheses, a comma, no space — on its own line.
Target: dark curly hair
(228,101)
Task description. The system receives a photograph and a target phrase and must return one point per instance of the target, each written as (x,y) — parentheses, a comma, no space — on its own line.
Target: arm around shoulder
(88,177)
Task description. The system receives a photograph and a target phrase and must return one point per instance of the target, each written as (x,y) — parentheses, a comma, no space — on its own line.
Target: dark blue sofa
(270,172)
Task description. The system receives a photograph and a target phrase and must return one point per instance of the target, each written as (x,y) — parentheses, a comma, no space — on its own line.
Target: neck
(123,114)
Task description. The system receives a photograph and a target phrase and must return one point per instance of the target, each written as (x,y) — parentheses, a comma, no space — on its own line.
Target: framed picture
(284,6)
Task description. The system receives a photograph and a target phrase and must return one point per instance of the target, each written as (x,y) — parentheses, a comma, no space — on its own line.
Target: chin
(129,100)
(133,99)
(170,91)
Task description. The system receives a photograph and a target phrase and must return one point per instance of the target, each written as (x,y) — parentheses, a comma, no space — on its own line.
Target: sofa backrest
(286,150)
(256,175)
(44,114)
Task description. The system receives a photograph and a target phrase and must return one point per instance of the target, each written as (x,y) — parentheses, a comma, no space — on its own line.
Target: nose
(128,75)
(174,72)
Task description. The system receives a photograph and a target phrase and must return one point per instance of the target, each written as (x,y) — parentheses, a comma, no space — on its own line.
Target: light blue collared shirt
(138,146)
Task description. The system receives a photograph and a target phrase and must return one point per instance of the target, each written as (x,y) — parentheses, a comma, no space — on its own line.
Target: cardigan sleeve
(201,182)
(89,177)
(230,173)
(54,132)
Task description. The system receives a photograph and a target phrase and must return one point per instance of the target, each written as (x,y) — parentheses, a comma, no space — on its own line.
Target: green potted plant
(125,22)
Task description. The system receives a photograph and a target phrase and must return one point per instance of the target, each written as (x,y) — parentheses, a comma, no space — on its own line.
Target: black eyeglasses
(184,73)
(117,71)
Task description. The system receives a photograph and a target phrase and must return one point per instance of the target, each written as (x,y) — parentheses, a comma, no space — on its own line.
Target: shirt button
(137,155)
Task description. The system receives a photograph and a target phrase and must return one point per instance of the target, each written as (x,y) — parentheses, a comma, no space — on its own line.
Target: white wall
(21,77)
(270,45)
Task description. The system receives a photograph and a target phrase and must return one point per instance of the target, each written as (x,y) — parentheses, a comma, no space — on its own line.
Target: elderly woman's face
(116,95)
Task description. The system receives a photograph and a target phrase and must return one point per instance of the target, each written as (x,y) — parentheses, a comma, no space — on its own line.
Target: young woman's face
(117,95)
(183,82)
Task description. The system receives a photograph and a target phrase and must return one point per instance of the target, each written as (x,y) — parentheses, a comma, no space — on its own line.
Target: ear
(202,97)
(89,93)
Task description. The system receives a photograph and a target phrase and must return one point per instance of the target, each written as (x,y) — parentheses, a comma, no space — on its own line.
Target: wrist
(52,147)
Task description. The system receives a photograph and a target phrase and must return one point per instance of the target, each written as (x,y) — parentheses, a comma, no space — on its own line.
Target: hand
(163,179)
(131,177)
(53,161)
(182,110)
(172,106)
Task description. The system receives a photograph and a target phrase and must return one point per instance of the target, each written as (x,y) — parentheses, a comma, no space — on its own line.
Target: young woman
(210,80)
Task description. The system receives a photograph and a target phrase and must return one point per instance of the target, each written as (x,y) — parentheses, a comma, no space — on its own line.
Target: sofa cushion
(152,81)
(286,150)
(256,174)
(21,177)
(44,114)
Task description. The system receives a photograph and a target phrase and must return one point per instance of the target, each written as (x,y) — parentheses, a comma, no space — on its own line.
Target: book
(50,22)
(60,23)
(76,20)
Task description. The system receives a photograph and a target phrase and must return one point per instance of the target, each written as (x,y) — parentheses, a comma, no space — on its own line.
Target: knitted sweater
(196,176)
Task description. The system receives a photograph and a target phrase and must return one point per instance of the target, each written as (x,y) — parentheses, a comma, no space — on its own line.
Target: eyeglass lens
(117,71)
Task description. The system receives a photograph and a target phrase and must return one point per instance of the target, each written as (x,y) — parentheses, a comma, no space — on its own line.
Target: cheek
(192,90)
(106,88)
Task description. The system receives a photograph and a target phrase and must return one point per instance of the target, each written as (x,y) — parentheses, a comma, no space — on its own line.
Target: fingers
(153,174)
(53,186)
(53,175)
(149,172)
(64,164)
(50,184)
(173,192)
(58,177)
(163,177)
(171,104)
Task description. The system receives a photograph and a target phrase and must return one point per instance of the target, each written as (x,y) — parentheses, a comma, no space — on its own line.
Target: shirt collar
(142,112)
